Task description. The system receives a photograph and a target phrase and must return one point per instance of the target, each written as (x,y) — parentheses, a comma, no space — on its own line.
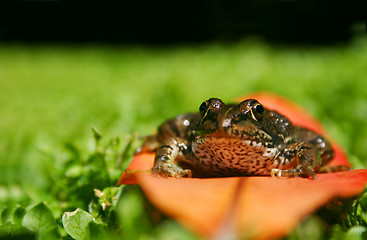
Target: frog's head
(245,120)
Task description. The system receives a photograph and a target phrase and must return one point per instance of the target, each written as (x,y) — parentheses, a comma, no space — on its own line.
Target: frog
(238,139)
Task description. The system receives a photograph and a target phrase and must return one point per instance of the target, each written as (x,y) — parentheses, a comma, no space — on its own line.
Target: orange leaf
(251,207)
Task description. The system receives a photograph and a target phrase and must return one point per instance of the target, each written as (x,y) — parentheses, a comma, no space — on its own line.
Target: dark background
(149,21)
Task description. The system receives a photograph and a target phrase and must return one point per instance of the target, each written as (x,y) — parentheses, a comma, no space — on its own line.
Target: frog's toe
(293,173)
(168,171)
(309,172)
(275,172)
(186,172)
(330,169)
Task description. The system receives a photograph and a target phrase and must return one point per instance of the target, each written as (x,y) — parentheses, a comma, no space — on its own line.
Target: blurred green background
(52,95)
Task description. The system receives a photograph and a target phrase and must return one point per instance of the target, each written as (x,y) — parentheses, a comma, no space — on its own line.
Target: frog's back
(182,126)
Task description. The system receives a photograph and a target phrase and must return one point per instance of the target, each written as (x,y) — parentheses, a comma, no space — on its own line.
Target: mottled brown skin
(242,139)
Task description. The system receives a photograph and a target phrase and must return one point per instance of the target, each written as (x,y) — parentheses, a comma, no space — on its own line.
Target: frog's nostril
(236,119)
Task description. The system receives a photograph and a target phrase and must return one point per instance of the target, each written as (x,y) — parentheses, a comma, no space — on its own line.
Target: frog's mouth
(224,139)
(248,132)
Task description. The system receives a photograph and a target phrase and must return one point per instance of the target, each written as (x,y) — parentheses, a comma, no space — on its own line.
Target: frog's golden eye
(210,106)
(204,107)
(257,111)
(259,108)
(253,108)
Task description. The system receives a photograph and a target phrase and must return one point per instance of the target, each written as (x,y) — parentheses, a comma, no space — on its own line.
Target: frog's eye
(257,111)
(259,108)
(210,106)
(253,108)
(204,107)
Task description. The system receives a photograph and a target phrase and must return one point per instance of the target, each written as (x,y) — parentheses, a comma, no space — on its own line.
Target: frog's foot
(171,171)
(294,172)
(164,163)
(330,169)
(307,158)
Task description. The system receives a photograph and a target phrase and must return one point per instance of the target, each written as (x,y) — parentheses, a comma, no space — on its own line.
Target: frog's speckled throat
(231,156)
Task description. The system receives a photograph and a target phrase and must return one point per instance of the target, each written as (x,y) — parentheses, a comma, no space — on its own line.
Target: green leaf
(74,171)
(40,220)
(357,233)
(310,228)
(97,135)
(50,234)
(95,231)
(97,173)
(18,215)
(10,231)
(76,223)
(132,214)
(5,216)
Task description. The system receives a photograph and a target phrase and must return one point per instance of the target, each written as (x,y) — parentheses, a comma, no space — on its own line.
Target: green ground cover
(51,96)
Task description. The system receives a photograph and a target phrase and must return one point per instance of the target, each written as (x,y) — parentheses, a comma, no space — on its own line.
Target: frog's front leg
(307,157)
(164,163)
